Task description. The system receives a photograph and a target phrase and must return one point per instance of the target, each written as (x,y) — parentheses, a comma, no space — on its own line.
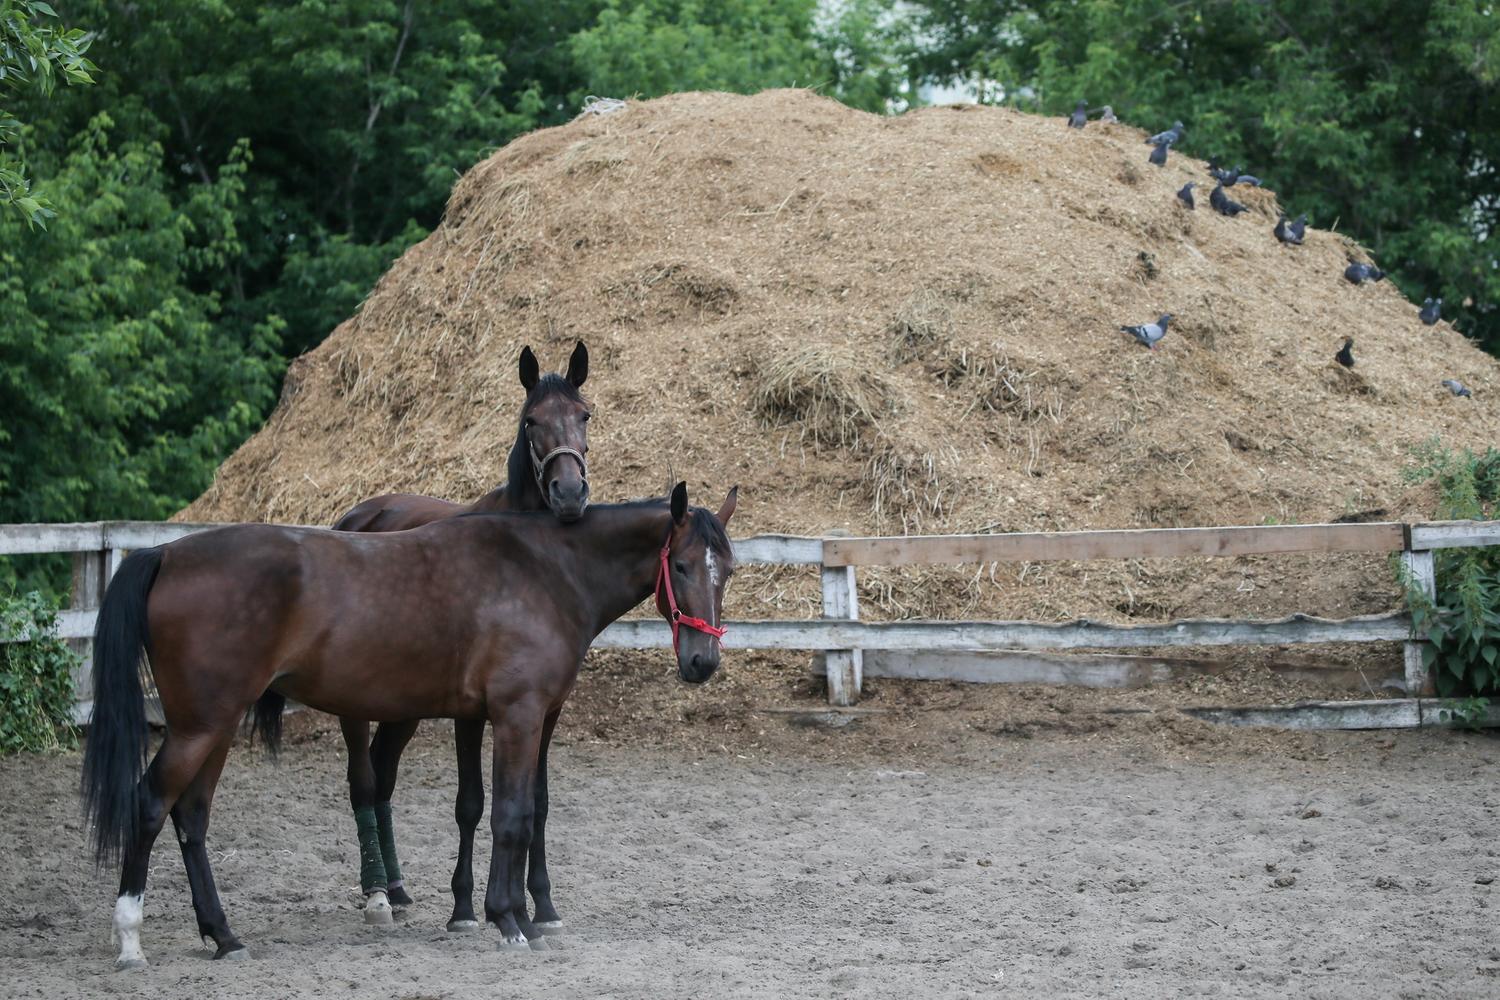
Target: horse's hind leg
(468,810)
(172,769)
(372,876)
(537,881)
(385,753)
(190,819)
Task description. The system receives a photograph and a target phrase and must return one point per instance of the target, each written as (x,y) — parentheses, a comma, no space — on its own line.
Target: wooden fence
(962,650)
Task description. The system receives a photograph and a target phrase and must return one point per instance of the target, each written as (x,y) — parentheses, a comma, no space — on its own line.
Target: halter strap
(674,614)
(539,465)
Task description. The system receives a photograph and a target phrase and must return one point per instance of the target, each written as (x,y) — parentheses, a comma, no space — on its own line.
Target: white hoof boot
(462,926)
(378,909)
(127,928)
(550,927)
(517,943)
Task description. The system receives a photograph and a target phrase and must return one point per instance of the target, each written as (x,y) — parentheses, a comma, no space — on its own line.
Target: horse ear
(531,372)
(726,509)
(679,502)
(578,366)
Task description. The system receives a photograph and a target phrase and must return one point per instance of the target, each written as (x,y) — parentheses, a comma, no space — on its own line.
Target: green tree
(34,54)
(651,47)
(118,394)
(1378,118)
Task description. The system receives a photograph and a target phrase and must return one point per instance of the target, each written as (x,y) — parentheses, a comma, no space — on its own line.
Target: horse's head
(554,423)
(696,563)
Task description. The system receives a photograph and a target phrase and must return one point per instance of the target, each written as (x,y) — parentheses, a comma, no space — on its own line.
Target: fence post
(844,667)
(1420,571)
(90,577)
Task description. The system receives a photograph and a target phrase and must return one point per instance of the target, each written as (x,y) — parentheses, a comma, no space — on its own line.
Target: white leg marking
(378,908)
(128,911)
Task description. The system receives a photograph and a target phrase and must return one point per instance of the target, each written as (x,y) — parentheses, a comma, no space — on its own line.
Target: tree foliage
(34,55)
(1377,118)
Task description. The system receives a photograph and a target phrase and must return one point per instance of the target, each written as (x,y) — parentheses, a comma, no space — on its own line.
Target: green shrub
(36,677)
(1463,624)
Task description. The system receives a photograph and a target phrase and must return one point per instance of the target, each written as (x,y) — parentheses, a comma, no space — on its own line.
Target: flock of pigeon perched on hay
(1288,231)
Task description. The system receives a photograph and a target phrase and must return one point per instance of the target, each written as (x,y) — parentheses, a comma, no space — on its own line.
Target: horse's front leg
(385,754)
(537,880)
(468,809)
(518,736)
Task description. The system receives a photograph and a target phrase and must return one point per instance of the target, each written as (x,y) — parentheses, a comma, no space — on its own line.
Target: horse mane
(518,473)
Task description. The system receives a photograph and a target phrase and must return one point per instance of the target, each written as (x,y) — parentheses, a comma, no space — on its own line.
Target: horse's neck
(520,490)
(617,562)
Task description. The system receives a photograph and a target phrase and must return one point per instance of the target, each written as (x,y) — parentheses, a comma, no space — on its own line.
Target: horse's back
(397,512)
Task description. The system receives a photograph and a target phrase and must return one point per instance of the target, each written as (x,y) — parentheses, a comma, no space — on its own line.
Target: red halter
(674,614)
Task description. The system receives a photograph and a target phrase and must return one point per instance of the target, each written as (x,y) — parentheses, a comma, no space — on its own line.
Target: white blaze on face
(713,571)
(128,909)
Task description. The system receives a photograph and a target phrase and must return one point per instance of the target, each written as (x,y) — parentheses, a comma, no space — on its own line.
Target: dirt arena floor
(1049,844)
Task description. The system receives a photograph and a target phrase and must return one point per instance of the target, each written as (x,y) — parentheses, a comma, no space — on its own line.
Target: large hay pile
(883,325)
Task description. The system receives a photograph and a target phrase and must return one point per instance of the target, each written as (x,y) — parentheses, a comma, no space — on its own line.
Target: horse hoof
(515,944)
(550,927)
(127,964)
(240,954)
(462,926)
(378,909)
(399,896)
(537,944)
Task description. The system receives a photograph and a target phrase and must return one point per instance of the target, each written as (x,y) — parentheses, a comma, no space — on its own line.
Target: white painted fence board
(1395,713)
(36,539)
(1454,534)
(1081,634)
(1134,543)
(778,550)
(1419,566)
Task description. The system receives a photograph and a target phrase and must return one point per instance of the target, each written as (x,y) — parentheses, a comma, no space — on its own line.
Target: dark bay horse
(480,617)
(546,469)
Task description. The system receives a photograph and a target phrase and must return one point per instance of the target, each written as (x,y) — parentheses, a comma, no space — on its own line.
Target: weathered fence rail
(843,639)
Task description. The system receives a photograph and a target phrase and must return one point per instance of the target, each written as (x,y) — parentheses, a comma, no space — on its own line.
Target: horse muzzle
(568,500)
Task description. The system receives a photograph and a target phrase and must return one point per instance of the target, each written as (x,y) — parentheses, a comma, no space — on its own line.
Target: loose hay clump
(824,389)
(923,323)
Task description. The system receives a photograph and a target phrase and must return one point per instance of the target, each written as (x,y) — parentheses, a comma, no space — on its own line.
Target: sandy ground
(812,861)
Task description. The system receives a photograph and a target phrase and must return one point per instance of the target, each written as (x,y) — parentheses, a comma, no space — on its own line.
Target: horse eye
(587,417)
(679,567)
(530,421)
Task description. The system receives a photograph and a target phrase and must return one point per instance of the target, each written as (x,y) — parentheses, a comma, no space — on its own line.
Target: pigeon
(1297,228)
(1108,117)
(1289,232)
(1159,154)
(1358,274)
(1458,388)
(1249,180)
(1223,203)
(1345,356)
(1218,174)
(1080,116)
(1432,311)
(1186,194)
(1149,333)
(1171,135)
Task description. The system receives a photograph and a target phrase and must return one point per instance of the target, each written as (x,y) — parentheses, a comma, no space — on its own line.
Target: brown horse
(480,617)
(546,469)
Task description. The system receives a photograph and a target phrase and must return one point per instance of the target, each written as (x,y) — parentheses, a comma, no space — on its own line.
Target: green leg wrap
(371,864)
(388,843)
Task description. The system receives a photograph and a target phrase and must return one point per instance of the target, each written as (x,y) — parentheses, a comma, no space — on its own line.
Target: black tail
(265,720)
(115,757)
